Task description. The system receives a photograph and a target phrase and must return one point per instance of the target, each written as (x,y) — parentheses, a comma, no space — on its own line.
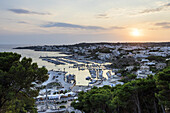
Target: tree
(121,63)
(128,78)
(131,76)
(137,96)
(19,81)
(156,58)
(95,100)
(163,84)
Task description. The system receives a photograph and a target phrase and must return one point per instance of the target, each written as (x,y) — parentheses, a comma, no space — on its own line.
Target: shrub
(62,106)
(72,112)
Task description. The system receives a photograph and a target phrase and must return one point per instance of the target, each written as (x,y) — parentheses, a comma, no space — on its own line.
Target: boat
(108,74)
(55,110)
(93,73)
(70,77)
(93,81)
(75,66)
(81,68)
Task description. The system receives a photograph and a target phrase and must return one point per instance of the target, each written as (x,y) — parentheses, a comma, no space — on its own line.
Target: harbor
(61,89)
(80,67)
(63,85)
(67,77)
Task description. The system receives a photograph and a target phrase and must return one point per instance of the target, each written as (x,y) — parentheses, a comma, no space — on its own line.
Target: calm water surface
(80,75)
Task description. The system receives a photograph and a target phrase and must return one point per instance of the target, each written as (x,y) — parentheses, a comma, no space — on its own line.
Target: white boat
(108,74)
(93,81)
(93,73)
(54,111)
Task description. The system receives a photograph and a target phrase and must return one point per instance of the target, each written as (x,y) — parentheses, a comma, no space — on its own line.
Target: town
(123,62)
(141,59)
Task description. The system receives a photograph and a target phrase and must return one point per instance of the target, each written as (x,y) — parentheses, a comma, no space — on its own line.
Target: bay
(80,75)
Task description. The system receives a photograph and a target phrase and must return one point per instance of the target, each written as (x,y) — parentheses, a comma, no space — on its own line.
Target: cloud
(75,26)
(22,22)
(117,27)
(165,25)
(156,9)
(104,16)
(167,5)
(24,11)
(67,25)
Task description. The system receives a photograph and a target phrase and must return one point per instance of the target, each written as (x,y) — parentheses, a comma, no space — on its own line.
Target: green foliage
(124,62)
(63,101)
(103,50)
(153,69)
(135,68)
(18,83)
(62,106)
(7,59)
(72,112)
(65,91)
(163,84)
(128,78)
(129,51)
(156,58)
(150,95)
(124,72)
(94,100)
(168,62)
(131,76)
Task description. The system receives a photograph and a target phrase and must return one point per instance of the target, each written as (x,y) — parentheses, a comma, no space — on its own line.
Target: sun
(135,32)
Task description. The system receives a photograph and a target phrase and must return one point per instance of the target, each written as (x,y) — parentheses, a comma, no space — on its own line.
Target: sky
(75,21)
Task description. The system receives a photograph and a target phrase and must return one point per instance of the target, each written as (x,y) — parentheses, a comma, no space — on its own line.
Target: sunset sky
(74,21)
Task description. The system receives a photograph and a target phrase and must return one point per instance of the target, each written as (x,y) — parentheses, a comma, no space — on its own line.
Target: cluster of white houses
(115,50)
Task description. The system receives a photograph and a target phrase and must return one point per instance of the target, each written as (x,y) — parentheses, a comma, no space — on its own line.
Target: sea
(80,74)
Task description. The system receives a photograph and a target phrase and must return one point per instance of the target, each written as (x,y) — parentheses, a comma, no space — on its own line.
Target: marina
(85,56)
(67,77)
(68,87)
(61,89)
(53,61)
(67,61)
(95,70)
(81,70)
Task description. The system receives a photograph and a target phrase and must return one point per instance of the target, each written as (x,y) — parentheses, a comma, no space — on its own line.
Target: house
(144,60)
(119,74)
(129,68)
(160,65)
(115,53)
(140,56)
(143,74)
(105,56)
(144,68)
(150,63)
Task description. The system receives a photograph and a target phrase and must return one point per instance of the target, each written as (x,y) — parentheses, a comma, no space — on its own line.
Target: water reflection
(80,75)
